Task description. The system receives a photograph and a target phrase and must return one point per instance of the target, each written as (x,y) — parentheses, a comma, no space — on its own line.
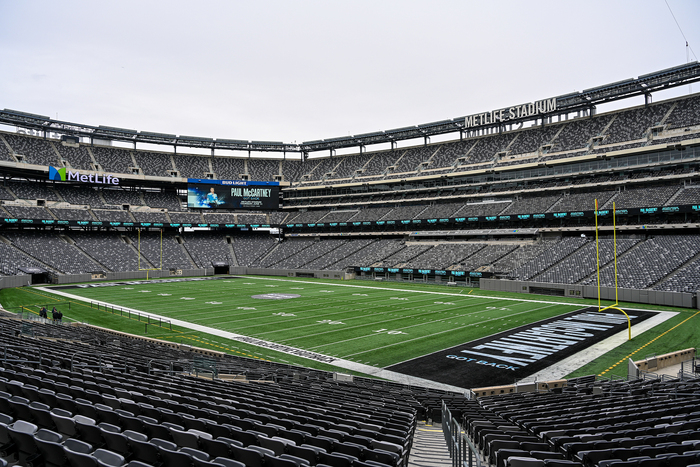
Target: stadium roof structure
(644,85)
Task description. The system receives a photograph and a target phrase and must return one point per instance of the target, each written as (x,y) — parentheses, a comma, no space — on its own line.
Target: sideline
(339,362)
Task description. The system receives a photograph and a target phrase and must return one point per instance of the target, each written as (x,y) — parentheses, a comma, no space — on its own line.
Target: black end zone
(517,353)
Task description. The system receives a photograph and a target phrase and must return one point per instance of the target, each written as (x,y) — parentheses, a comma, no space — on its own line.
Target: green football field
(377,326)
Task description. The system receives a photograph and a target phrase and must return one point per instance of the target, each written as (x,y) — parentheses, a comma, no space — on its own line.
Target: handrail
(462,451)
(6,358)
(74,365)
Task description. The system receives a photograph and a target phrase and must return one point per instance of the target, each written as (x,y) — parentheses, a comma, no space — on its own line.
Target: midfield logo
(64,175)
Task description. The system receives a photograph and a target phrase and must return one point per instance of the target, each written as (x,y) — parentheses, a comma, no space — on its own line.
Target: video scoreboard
(232,194)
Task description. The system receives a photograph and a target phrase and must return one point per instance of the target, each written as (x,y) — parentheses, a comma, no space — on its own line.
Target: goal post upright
(597,253)
(161,254)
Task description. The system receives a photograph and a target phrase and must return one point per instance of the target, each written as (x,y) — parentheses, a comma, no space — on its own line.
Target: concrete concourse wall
(651,297)
(318,273)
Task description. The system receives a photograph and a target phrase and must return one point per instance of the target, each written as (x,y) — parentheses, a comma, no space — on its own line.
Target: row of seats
(646,423)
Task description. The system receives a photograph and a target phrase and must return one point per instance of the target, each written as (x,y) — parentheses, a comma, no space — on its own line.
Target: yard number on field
(329,321)
(386,331)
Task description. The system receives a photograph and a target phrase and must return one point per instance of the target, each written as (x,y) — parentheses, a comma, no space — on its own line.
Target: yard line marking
(434,334)
(431,335)
(400,318)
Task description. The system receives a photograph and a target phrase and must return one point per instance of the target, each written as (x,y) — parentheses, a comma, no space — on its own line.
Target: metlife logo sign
(65,175)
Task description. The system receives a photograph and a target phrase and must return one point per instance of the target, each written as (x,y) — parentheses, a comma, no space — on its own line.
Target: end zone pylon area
(597,254)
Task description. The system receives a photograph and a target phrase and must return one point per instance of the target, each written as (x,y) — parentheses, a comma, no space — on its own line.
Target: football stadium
(516,287)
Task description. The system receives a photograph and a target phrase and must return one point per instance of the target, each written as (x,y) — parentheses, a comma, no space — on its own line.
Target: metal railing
(462,451)
(93,360)
(146,319)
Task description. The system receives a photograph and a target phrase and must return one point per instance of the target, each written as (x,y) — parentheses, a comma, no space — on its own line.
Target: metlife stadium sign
(65,175)
(232,194)
(511,113)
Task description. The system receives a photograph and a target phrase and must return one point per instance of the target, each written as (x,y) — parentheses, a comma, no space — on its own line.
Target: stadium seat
(215,447)
(297,460)
(22,435)
(249,457)
(228,462)
(49,447)
(195,453)
(279,462)
(305,452)
(516,461)
(174,458)
(107,458)
(144,451)
(79,458)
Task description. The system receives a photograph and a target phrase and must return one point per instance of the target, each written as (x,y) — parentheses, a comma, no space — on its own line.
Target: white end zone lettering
(484,362)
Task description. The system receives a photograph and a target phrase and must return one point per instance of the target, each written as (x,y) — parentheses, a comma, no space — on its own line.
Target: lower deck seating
(89,397)
(644,423)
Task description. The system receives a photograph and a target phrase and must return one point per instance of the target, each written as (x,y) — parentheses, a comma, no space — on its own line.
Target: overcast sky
(306,70)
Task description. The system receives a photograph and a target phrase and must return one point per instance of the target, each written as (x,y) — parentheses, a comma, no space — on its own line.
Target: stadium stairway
(429,448)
